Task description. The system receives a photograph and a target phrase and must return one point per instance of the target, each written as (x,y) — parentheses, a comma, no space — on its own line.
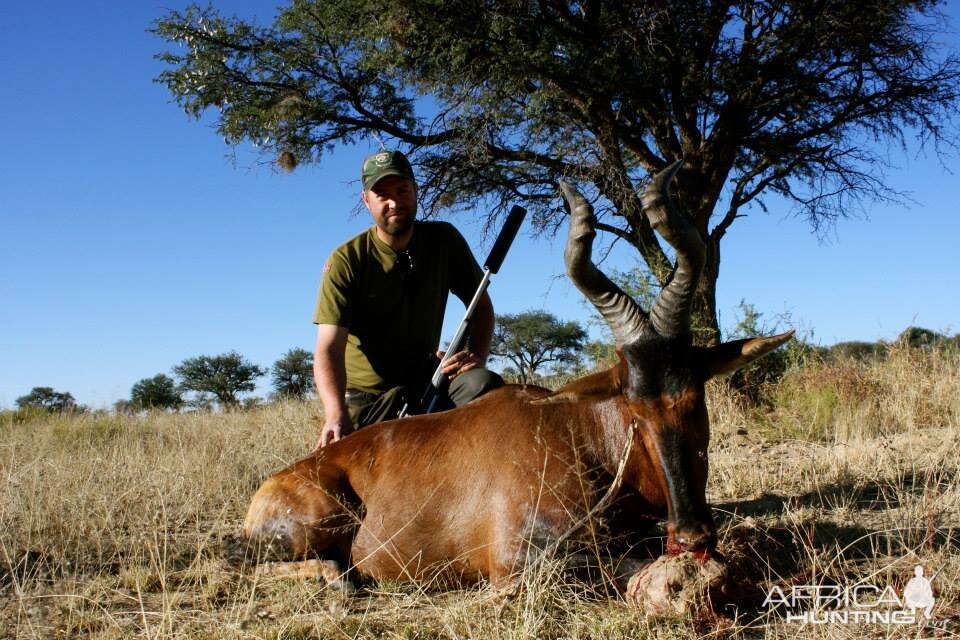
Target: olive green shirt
(394,313)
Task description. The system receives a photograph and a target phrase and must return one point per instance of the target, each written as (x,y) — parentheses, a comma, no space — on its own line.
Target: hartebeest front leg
(303,518)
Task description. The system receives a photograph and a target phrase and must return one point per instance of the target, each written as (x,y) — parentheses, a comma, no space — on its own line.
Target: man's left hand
(460,362)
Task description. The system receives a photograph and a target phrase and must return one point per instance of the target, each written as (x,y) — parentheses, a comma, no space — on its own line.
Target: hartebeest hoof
(677,585)
(326,570)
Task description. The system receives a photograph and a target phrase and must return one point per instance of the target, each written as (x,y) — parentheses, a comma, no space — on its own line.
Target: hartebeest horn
(625,318)
(670,312)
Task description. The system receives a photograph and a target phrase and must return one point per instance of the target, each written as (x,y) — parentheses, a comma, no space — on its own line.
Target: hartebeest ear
(730,356)
(597,386)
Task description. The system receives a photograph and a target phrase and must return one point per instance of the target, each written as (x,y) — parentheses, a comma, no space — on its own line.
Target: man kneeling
(380,309)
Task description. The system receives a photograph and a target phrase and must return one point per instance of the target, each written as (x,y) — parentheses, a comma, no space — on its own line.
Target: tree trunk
(704,322)
(697,194)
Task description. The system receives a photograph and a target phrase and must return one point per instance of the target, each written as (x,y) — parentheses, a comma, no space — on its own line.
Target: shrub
(754,381)
(857,350)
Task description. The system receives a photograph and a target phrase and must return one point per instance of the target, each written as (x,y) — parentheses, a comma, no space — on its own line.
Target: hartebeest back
(474,491)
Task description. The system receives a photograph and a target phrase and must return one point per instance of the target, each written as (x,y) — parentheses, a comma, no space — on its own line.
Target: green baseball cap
(383,164)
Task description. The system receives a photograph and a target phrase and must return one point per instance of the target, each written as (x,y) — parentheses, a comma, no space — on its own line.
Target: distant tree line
(199,382)
(531,347)
(47,399)
(220,380)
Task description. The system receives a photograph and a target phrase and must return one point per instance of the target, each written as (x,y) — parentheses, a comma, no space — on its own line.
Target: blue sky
(133,238)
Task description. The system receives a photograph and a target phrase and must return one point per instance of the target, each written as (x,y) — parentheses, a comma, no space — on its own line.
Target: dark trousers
(369,408)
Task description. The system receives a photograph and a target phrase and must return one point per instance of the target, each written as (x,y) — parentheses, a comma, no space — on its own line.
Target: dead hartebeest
(468,493)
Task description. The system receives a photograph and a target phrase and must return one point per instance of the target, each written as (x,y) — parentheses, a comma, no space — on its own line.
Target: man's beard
(393,226)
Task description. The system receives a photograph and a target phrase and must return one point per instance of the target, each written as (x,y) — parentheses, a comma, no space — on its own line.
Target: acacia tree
(48,399)
(532,339)
(293,374)
(158,392)
(756,96)
(224,376)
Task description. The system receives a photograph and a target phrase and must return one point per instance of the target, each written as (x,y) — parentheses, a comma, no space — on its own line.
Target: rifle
(492,265)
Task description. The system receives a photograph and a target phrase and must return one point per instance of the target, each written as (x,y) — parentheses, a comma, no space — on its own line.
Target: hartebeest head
(661,373)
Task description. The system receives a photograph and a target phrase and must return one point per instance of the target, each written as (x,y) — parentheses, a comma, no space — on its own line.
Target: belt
(358,398)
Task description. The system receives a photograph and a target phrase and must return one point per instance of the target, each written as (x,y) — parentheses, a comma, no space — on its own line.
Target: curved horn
(670,312)
(625,318)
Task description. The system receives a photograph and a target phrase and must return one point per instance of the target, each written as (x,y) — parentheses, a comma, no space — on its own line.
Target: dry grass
(118,527)
(850,400)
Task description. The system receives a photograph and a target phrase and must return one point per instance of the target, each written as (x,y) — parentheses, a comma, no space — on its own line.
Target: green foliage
(601,353)
(223,377)
(293,374)
(47,399)
(253,402)
(758,97)
(639,284)
(753,380)
(532,339)
(920,338)
(748,326)
(158,392)
(910,338)
(857,350)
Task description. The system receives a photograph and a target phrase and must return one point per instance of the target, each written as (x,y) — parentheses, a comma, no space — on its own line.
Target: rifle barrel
(490,266)
(505,239)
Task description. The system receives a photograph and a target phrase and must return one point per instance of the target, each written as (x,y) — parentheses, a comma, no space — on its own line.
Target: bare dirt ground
(127,527)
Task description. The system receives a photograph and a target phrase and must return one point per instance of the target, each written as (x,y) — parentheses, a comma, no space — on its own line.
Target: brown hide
(467,493)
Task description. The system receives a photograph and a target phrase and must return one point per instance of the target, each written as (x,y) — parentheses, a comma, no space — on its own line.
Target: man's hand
(460,362)
(333,430)
(330,375)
